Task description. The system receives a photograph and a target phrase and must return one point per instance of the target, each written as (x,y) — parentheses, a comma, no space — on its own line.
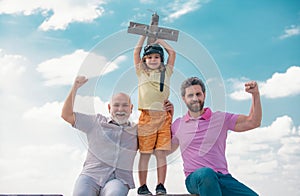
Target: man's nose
(119,108)
(195,97)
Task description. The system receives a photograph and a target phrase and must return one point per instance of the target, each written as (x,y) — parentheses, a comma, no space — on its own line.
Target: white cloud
(147,1)
(58,14)
(90,105)
(62,70)
(293,30)
(12,68)
(13,85)
(43,124)
(48,113)
(238,89)
(178,8)
(265,155)
(282,84)
(283,126)
(278,86)
(35,142)
(29,166)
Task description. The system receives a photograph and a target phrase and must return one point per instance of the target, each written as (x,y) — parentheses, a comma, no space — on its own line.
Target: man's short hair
(190,82)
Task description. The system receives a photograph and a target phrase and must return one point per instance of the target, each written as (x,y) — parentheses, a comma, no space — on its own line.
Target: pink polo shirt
(202,140)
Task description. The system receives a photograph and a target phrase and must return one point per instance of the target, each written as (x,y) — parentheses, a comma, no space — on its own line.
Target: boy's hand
(159,41)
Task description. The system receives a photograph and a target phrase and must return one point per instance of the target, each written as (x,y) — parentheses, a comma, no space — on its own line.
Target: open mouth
(120,114)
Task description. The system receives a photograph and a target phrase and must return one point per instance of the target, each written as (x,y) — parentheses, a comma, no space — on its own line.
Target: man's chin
(121,121)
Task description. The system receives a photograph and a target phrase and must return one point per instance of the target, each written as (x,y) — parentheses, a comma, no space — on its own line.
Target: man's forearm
(256,110)
(67,110)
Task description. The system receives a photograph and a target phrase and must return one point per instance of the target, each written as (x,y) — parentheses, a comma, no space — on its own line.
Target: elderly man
(112,146)
(201,135)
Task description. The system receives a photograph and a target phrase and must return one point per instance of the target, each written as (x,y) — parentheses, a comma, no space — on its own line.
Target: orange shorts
(154,131)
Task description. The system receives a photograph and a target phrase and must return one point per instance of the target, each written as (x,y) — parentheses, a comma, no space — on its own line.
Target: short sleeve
(174,129)
(231,120)
(85,122)
(169,70)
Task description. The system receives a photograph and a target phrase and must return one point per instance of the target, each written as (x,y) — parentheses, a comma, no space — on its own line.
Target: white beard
(120,120)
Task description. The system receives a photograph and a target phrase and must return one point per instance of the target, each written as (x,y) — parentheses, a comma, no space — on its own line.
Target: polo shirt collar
(205,116)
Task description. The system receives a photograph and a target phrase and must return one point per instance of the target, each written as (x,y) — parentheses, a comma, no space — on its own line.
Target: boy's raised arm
(171,52)
(137,50)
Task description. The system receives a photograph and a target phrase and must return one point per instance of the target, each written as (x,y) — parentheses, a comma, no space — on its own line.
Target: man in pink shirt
(201,135)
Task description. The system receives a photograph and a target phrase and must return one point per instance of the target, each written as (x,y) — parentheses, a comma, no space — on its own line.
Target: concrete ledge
(62,195)
(31,195)
(180,195)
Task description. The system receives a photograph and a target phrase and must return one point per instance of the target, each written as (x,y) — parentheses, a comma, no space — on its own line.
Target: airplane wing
(169,34)
(161,33)
(137,28)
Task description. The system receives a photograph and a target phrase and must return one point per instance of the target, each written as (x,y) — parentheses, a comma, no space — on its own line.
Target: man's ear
(131,107)
(108,108)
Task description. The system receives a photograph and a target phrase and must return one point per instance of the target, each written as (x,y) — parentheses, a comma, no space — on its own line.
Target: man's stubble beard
(195,108)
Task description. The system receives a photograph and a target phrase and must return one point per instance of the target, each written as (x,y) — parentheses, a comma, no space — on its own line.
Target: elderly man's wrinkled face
(120,108)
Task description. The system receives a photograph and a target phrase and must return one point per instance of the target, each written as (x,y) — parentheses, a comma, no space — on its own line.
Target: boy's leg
(147,134)
(86,186)
(203,181)
(161,162)
(231,186)
(163,144)
(143,167)
(114,187)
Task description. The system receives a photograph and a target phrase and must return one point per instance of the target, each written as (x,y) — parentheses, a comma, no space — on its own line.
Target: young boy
(154,122)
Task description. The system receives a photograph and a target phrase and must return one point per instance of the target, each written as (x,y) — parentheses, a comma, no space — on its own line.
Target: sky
(45,44)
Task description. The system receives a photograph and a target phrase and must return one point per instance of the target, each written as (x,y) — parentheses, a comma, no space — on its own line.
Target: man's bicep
(242,123)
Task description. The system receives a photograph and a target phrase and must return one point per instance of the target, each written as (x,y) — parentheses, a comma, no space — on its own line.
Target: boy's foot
(160,189)
(143,190)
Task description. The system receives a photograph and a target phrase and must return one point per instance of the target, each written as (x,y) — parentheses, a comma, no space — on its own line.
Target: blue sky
(45,44)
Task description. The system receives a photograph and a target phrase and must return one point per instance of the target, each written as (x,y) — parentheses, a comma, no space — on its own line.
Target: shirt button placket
(118,148)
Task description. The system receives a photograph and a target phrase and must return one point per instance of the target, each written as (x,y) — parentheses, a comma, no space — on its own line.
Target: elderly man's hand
(79,81)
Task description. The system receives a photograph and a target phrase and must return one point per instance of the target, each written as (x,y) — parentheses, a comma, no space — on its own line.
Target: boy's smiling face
(153,61)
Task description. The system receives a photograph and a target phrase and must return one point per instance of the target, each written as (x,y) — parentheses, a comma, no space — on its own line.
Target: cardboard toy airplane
(152,31)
